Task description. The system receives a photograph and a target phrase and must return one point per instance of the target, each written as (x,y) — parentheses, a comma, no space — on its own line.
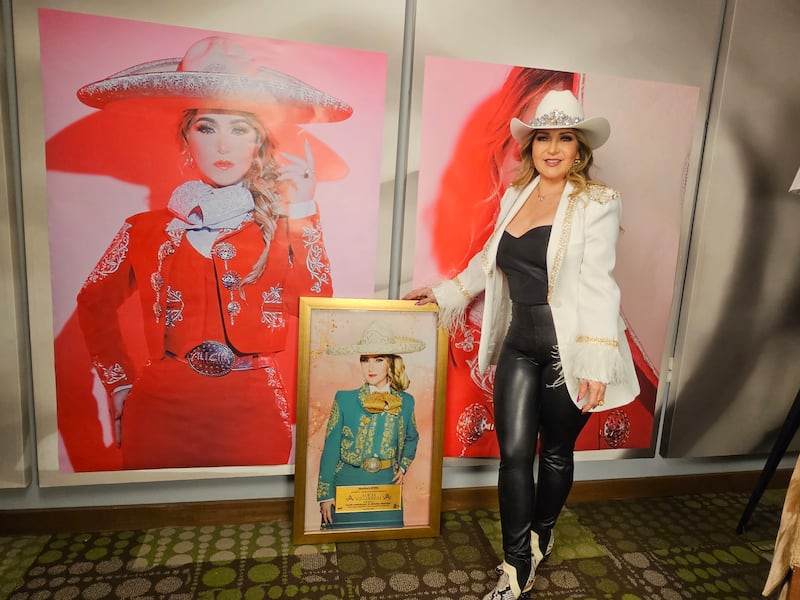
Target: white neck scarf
(202,211)
(197,205)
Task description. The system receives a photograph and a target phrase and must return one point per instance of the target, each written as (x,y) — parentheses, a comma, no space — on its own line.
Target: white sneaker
(537,557)
(507,587)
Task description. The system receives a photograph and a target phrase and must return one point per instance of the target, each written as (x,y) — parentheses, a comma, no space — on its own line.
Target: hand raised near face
(298,176)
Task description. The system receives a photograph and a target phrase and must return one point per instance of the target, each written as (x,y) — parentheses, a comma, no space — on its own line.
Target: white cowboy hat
(215,73)
(378,338)
(559,109)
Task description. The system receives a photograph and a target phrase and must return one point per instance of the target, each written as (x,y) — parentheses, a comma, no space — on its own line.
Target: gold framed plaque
(371,380)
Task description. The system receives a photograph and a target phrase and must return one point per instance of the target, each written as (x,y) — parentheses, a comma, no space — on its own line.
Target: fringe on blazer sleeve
(454,295)
(598,361)
(595,351)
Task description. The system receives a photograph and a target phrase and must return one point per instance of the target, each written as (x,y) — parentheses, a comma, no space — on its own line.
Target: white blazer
(582,293)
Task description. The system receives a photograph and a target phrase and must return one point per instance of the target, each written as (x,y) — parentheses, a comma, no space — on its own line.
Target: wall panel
(66,201)
(15,469)
(657,109)
(739,341)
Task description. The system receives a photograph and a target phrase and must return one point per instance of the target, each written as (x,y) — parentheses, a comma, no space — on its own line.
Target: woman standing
(371,436)
(480,170)
(217,272)
(550,322)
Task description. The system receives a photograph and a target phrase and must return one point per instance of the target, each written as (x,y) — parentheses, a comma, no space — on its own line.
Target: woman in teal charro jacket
(372,436)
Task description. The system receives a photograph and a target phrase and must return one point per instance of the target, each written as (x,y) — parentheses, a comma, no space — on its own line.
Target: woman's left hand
(298,173)
(596,392)
(398,476)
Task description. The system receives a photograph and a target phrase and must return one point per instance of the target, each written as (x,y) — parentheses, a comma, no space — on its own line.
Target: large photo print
(197,185)
(467,160)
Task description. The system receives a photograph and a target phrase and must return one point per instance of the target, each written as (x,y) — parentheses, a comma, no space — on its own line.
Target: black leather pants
(530,401)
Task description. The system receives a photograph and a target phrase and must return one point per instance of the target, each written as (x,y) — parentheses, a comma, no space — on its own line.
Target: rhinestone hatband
(555,118)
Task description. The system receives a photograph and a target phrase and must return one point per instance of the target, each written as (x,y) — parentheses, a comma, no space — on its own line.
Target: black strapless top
(523,259)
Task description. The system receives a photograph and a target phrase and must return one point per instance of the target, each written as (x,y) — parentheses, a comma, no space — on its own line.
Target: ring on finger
(306,173)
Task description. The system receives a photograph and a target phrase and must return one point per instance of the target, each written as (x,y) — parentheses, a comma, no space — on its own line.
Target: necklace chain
(542,196)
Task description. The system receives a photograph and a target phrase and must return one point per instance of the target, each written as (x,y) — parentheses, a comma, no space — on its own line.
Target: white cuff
(300,210)
(597,362)
(452,305)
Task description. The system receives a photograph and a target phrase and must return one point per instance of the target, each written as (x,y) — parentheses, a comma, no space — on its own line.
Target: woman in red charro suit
(218,272)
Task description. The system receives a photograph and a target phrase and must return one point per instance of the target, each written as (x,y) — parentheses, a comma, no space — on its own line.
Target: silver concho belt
(371,465)
(211,358)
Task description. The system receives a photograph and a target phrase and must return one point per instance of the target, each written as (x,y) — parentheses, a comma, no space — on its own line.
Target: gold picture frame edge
(433,527)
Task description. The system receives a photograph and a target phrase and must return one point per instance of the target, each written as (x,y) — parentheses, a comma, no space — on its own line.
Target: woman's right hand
(299,175)
(326,510)
(118,399)
(421,295)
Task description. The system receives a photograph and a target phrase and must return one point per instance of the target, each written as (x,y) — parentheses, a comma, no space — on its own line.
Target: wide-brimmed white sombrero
(215,73)
(559,109)
(378,338)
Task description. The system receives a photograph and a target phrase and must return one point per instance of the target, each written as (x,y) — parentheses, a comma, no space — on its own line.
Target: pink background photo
(645,159)
(87,206)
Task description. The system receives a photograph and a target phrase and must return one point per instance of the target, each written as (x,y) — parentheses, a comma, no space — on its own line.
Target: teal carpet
(682,547)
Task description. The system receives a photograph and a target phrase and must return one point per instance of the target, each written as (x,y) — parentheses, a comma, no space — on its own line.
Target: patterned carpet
(683,547)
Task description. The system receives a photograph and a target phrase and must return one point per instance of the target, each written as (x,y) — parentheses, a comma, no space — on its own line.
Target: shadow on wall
(759,318)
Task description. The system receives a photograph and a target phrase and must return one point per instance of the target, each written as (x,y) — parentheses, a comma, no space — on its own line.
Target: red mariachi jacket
(142,257)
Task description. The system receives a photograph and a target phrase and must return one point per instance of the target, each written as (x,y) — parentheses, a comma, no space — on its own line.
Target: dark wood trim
(146,516)
(651,487)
